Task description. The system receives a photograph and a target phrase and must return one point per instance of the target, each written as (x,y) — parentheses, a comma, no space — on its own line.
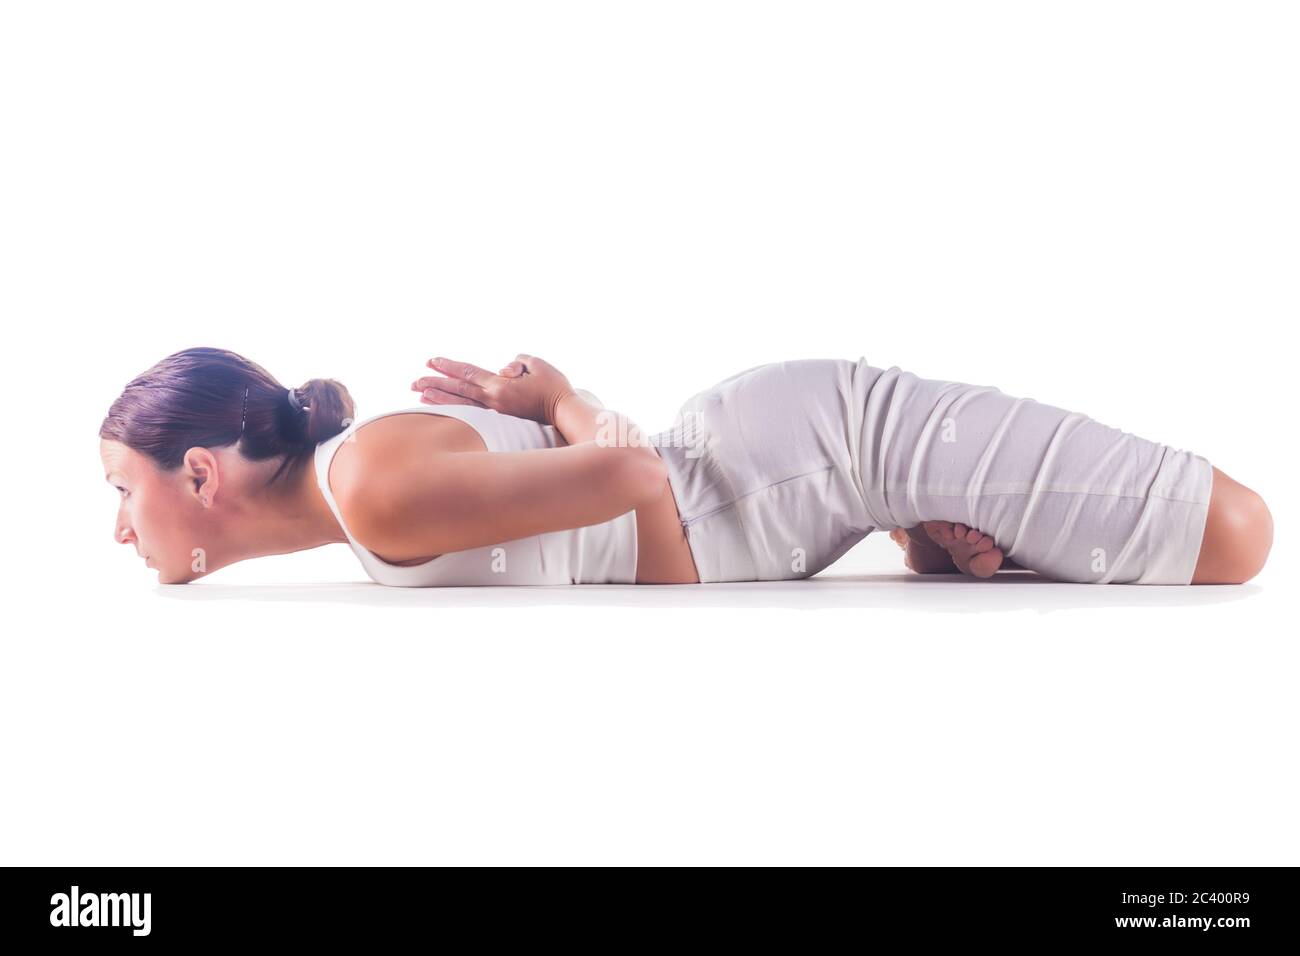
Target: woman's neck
(289,515)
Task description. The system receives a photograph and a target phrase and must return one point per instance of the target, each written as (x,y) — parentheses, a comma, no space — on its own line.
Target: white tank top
(597,554)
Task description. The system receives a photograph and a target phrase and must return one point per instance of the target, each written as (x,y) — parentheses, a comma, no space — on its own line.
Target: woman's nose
(124,535)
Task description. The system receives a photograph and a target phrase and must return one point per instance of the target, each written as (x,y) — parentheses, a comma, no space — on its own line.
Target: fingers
(434,397)
(465,370)
(448,391)
(460,384)
(475,374)
(518,367)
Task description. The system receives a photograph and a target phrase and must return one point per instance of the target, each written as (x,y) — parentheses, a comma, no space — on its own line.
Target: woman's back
(604,553)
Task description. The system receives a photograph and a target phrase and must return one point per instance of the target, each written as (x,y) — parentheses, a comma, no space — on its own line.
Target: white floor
(869,716)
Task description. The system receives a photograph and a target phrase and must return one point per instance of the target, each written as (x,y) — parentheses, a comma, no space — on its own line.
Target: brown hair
(211,398)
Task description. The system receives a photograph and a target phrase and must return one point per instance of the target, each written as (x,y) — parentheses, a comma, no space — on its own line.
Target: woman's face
(158,513)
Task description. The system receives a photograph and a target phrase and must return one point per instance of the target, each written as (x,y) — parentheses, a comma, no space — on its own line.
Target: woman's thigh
(1060,493)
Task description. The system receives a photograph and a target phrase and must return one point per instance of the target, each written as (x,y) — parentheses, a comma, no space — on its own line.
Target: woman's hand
(527,388)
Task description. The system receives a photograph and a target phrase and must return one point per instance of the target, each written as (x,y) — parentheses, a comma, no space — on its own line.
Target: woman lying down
(514,477)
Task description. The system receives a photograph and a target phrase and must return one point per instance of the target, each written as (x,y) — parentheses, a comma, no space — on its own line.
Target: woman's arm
(579,420)
(576,414)
(403,503)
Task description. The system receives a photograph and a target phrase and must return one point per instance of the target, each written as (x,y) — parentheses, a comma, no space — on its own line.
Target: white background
(1093,205)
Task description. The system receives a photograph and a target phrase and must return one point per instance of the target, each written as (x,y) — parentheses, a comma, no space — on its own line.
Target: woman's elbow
(645,477)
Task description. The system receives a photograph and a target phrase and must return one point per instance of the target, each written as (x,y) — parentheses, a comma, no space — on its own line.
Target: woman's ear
(201,475)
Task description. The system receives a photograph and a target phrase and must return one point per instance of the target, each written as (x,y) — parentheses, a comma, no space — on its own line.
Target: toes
(970,550)
(986,564)
(940,532)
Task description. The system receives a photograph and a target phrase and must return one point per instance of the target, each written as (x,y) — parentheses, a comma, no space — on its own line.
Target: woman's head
(200,426)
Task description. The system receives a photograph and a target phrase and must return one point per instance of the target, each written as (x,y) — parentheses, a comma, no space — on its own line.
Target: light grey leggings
(780,469)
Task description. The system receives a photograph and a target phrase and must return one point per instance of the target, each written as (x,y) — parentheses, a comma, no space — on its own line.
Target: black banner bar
(168,906)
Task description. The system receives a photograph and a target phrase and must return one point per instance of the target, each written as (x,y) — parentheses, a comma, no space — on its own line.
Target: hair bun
(328,408)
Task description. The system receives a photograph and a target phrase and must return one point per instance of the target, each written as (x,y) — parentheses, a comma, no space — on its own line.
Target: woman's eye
(122,490)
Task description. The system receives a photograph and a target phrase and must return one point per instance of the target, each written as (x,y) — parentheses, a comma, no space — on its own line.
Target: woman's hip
(762,468)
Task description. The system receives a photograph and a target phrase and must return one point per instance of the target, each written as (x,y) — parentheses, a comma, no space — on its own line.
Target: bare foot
(972,551)
(921,554)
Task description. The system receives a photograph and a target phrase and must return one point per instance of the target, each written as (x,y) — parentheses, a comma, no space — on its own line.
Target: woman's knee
(1238,534)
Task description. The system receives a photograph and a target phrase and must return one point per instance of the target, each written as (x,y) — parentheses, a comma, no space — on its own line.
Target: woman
(774,473)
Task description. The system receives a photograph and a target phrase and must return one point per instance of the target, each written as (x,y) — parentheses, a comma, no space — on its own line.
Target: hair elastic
(295,401)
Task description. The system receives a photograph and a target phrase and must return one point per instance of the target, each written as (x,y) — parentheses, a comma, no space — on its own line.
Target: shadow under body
(1006,591)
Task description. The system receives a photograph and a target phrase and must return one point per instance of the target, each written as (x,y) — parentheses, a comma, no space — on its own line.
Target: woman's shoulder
(380,463)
